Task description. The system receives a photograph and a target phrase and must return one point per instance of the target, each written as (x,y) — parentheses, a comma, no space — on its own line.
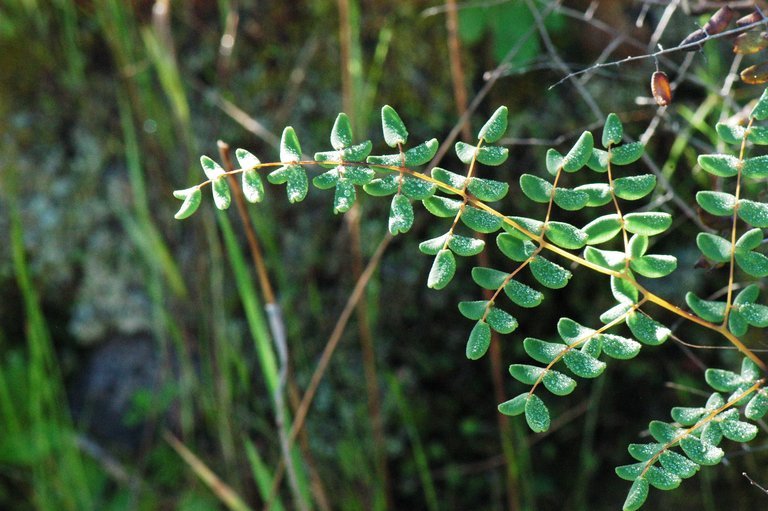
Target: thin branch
(689,46)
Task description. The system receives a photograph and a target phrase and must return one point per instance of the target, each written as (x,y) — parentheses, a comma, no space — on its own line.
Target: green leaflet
(738,431)
(610,259)
(755,168)
(542,351)
(602,229)
(392,127)
(730,133)
(442,271)
(355,153)
(634,187)
(722,380)
(523,295)
(637,495)
(344,196)
(613,131)
(757,407)
(533,226)
(487,190)
(495,127)
(536,188)
(421,154)
(688,416)
(480,220)
(341,133)
(548,273)
(700,452)
(598,194)
(599,160)
(479,340)
(554,161)
(295,178)
(753,263)
(753,213)
(615,312)
(720,165)
(246,160)
(501,321)
(647,224)
(290,150)
(488,278)
(192,198)
(637,246)
(400,214)
(492,155)
(627,153)
(678,464)
(417,189)
(434,245)
(630,472)
(708,310)
(583,365)
(450,178)
(221,196)
(663,432)
(619,347)
(570,200)
(253,187)
(212,169)
(654,266)
(647,330)
(714,247)
(571,331)
(662,479)
(473,310)
(514,406)
(526,374)
(383,186)
(565,235)
(760,110)
(442,207)
(487,155)
(413,157)
(558,383)
(465,152)
(579,154)
(716,203)
(536,414)
(623,291)
(514,248)
(465,246)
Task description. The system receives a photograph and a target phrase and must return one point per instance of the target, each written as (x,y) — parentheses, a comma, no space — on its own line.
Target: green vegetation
(284,356)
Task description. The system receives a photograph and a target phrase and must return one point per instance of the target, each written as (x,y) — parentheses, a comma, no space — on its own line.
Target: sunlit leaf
(716,203)
(192,198)
(442,271)
(536,414)
(634,187)
(613,131)
(602,229)
(720,165)
(495,127)
(479,340)
(627,153)
(393,127)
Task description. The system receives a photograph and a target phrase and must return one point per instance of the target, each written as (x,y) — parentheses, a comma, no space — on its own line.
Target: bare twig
(277,329)
(753,483)
(727,33)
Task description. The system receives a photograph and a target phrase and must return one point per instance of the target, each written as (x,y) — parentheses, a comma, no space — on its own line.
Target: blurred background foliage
(118,324)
